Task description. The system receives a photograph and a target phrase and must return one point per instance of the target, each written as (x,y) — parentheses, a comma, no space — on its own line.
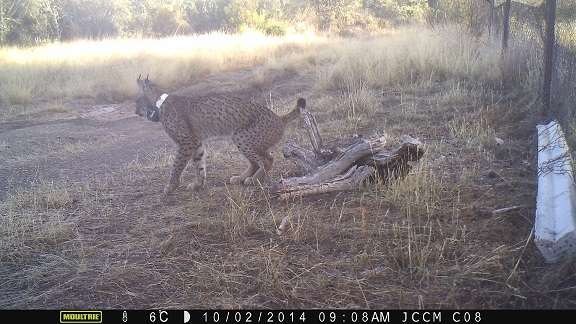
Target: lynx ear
(141,85)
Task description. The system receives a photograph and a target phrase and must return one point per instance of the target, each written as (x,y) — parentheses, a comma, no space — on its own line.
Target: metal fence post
(548,60)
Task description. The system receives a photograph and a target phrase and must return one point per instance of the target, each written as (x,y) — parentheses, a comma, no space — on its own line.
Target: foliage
(244,14)
(207,15)
(28,22)
(168,20)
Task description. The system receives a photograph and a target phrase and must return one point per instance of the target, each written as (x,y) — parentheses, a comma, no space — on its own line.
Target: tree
(335,12)
(207,15)
(168,20)
(92,18)
(21,21)
(244,13)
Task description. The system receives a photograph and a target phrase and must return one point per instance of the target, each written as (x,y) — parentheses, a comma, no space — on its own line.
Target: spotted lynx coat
(189,121)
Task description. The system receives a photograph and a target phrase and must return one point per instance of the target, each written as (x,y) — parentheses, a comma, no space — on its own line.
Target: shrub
(275,28)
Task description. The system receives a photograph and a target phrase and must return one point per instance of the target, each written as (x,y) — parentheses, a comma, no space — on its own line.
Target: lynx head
(148,94)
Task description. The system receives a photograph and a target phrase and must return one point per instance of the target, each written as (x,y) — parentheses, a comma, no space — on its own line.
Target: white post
(555,226)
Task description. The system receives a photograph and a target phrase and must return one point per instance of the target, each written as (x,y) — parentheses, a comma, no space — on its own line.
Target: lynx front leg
(182,157)
(199,169)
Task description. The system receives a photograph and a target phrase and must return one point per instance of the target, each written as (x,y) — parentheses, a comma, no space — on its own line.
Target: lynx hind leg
(199,168)
(239,139)
(259,160)
(252,168)
(265,161)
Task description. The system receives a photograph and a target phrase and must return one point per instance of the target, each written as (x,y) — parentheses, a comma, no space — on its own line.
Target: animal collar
(154,113)
(161,100)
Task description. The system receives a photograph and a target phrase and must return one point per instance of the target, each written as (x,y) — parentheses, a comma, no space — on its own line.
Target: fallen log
(353,178)
(338,165)
(344,164)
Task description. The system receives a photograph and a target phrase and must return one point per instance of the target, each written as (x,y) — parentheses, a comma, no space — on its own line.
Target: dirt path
(92,140)
(71,148)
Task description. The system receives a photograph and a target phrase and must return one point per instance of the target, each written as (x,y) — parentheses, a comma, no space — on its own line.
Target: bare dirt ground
(97,233)
(72,148)
(94,139)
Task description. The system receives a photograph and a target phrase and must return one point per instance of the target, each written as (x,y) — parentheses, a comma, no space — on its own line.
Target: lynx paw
(169,189)
(237,180)
(196,185)
(250,181)
(258,177)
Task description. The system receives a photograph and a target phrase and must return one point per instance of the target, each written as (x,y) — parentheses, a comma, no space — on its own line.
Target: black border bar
(284,316)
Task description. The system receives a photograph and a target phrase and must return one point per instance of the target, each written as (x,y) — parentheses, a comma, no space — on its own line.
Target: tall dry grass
(107,68)
(417,57)
(444,68)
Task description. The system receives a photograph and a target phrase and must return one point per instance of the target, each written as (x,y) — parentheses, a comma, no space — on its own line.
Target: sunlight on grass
(108,68)
(415,58)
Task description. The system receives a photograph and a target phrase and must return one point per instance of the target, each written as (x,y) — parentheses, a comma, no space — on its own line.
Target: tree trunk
(506,27)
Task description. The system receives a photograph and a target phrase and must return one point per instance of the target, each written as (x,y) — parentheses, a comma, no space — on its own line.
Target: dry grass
(430,240)
(107,69)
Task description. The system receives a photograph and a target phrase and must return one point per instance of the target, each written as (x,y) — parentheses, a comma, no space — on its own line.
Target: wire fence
(527,27)
(528,24)
(556,80)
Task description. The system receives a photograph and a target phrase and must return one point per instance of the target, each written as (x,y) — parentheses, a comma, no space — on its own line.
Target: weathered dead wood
(311,126)
(506,209)
(395,163)
(353,178)
(305,159)
(344,164)
(350,156)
